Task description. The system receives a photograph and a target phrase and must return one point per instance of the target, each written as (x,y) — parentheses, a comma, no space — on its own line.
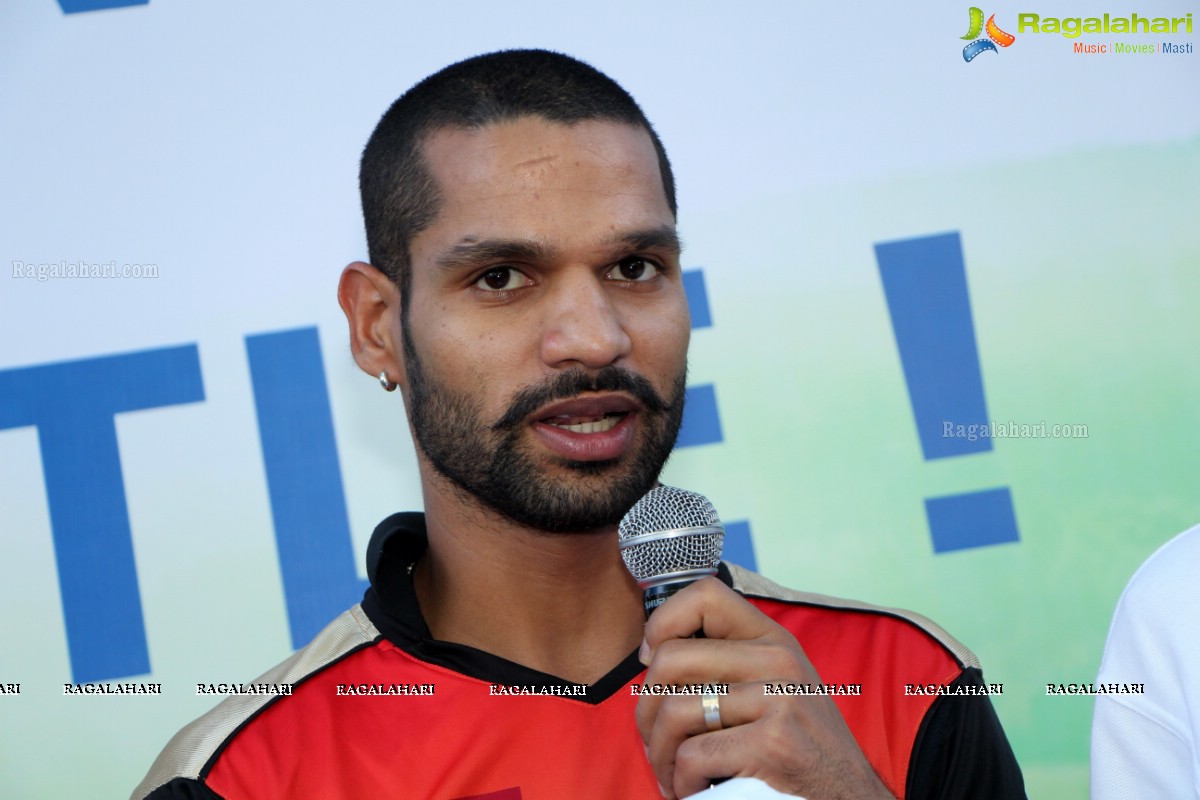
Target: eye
(634,268)
(501,279)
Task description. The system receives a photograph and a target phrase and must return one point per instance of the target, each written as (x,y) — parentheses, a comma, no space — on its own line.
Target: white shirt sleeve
(1144,745)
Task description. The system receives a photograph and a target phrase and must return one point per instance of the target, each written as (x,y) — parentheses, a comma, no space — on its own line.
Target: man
(525,294)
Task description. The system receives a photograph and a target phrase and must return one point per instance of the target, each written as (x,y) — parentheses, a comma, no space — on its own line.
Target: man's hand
(796,744)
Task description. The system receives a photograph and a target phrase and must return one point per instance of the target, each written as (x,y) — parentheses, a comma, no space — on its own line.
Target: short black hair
(399,194)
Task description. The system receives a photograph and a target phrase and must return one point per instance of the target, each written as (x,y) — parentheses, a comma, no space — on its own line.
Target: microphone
(669,539)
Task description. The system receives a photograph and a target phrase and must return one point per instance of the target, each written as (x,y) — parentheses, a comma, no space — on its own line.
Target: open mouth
(591,424)
(588,428)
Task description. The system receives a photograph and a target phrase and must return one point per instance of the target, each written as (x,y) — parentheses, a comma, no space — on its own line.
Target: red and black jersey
(379,708)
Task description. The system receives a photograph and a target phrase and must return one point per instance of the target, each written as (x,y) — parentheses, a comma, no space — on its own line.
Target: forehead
(532,172)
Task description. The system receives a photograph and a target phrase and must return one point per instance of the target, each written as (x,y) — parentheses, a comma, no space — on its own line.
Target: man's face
(547,325)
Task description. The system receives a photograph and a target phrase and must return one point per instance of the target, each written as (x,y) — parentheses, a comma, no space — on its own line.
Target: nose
(583,324)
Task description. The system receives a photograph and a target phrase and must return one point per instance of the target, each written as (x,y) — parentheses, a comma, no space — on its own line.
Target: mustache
(576,382)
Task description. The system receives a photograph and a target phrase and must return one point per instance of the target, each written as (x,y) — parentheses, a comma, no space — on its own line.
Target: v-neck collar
(391,603)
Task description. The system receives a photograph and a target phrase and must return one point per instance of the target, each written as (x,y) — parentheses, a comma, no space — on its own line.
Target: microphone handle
(655,596)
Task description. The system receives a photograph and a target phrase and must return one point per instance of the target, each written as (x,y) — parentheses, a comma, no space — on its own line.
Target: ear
(371,302)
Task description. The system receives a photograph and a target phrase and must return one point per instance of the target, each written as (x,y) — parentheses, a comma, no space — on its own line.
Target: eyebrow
(661,238)
(470,252)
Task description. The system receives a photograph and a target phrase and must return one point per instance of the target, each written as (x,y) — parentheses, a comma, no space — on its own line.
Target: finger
(763,749)
(691,661)
(684,662)
(702,760)
(680,717)
(801,745)
(673,667)
(709,606)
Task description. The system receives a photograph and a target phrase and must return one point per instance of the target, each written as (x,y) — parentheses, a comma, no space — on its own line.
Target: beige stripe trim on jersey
(190,749)
(756,585)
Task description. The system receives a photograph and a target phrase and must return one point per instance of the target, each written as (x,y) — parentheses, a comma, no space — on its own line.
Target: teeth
(598,426)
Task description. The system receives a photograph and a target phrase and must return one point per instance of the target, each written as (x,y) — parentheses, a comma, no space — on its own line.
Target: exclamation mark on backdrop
(925,282)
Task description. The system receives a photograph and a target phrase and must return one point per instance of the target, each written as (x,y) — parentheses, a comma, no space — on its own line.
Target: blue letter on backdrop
(312,528)
(78,6)
(72,404)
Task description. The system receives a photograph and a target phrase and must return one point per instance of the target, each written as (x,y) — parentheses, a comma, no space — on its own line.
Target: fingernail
(644,653)
(661,790)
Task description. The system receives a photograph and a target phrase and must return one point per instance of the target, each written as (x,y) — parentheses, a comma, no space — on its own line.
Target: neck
(562,604)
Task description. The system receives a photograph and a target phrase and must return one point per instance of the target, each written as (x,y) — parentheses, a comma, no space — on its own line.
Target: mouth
(590,414)
(588,425)
(591,428)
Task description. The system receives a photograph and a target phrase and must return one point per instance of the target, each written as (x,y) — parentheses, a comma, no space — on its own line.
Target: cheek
(443,338)
(665,339)
(474,356)
(679,325)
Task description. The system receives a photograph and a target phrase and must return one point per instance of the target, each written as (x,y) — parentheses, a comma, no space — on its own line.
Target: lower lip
(606,446)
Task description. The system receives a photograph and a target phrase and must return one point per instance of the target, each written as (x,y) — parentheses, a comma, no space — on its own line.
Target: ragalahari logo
(994,35)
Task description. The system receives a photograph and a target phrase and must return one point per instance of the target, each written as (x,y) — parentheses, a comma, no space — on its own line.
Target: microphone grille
(670,530)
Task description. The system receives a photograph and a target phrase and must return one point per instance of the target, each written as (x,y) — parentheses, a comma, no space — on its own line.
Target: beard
(494,465)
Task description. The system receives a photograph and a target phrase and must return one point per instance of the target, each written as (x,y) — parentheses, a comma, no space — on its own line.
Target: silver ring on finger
(710,702)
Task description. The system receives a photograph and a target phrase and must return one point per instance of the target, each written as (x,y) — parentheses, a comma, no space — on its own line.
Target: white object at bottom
(743,789)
